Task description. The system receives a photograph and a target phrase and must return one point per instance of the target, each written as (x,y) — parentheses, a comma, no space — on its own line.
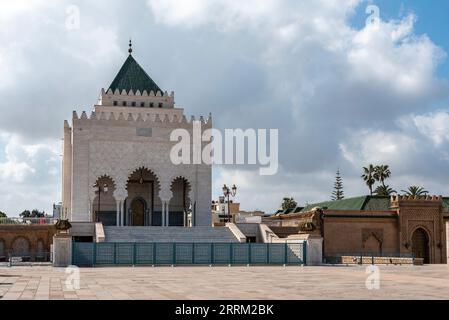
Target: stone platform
(324,282)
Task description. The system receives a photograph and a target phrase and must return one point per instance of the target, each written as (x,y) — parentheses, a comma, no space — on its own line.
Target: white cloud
(11,171)
(435,126)
(392,53)
(266,192)
(224,14)
(29,174)
(378,147)
(10,9)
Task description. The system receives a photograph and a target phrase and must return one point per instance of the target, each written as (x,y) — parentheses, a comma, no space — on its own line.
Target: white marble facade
(124,143)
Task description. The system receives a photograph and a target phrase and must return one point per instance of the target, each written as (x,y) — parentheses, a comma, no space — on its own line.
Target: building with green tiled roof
(363,203)
(372,225)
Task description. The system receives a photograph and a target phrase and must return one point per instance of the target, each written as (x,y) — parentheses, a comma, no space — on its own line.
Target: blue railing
(109,254)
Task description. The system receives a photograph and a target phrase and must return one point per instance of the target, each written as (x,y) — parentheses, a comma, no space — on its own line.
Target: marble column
(193,214)
(184,217)
(167,212)
(163,213)
(122,214)
(118,213)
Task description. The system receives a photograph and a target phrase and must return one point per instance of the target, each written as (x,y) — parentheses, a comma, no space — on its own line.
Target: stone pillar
(184,217)
(314,251)
(167,212)
(122,214)
(194,214)
(118,213)
(62,250)
(163,213)
(165,194)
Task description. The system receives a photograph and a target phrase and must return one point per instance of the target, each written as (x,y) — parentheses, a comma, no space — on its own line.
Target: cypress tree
(338,193)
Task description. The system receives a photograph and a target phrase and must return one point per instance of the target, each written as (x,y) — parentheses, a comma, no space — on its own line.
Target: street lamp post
(105,190)
(229,192)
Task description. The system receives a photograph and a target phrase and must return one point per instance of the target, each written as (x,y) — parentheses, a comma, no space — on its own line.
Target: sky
(342,91)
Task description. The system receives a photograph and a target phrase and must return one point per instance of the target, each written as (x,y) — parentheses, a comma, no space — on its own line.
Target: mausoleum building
(116,159)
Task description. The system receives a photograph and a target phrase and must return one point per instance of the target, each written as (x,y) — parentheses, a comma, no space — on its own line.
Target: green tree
(37,214)
(415,191)
(382,173)
(3,215)
(338,193)
(26,214)
(368,177)
(32,214)
(384,191)
(288,203)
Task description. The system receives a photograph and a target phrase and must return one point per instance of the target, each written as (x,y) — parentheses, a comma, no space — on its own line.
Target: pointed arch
(180,204)
(103,201)
(421,240)
(143,186)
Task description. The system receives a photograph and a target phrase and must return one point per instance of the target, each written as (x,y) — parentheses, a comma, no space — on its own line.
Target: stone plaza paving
(222,283)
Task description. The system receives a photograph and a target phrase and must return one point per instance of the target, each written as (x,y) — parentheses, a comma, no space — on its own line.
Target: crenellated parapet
(398,200)
(416,198)
(137,99)
(135,118)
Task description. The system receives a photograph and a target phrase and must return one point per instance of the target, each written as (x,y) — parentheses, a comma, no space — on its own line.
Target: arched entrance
(138,206)
(420,245)
(142,206)
(372,246)
(21,247)
(179,204)
(104,206)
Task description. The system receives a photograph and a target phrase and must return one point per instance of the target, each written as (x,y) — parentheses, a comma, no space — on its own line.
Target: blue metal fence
(109,254)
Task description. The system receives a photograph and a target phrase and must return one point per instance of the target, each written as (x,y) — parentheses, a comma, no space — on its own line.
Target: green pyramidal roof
(132,77)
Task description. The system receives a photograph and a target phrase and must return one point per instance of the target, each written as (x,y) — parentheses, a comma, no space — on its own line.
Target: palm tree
(368,177)
(381,173)
(415,191)
(384,191)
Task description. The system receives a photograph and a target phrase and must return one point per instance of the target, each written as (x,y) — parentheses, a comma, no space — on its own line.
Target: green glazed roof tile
(345,204)
(368,203)
(365,203)
(132,77)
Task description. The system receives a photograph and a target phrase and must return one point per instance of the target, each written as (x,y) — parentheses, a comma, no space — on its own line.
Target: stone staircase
(169,234)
